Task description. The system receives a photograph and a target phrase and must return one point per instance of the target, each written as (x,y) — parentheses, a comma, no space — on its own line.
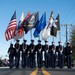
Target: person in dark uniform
(11,52)
(60,50)
(17,53)
(32,54)
(50,55)
(68,50)
(39,54)
(47,54)
(24,53)
(0,62)
(53,55)
(43,56)
(28,56)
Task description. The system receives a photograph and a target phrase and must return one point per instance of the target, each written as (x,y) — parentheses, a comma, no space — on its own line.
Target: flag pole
(60,36)
(53,38)
(39,36)
(10,42)
(23,37)
(31,33)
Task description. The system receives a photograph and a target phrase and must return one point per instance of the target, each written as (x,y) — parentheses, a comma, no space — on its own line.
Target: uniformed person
(68,50)
(28,56)
(11,52)
(60,50)
(53,55)
(43,56)
(39,54)
(17,53)
(32,54)
(50,55)
(24,53)
(47,54)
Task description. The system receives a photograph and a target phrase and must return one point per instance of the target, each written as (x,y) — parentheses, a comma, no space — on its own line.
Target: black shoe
(10,67)
(53,67)
(17,67)
(61,67)
(39,67)
(69,67)
(31,67)
(23,67)
(46,66)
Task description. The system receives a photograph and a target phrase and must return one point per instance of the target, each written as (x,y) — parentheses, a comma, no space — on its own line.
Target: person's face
(25,42)
(32,42)
(46,43)
(11,45)
(60,43)
(17,42)
(52,43)
(68,45)
(39,42)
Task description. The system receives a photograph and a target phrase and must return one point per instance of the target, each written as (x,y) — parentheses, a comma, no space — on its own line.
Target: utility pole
(66,33)
(66,25)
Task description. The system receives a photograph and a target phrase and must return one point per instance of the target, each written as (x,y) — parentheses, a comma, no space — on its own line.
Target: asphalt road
(37,71)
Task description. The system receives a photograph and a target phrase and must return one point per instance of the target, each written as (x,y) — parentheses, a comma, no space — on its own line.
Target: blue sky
(66,8)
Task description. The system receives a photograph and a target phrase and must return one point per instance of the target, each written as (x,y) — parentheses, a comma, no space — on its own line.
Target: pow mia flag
(54,29)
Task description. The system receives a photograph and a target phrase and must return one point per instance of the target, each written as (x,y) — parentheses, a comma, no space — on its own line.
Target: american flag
(10,31)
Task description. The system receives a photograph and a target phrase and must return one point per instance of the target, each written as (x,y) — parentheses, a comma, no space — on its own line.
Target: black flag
(58,22)
(54,29)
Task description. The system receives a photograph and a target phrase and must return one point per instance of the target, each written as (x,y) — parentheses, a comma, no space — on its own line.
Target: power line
(69,12)
(70,17)
(73,21)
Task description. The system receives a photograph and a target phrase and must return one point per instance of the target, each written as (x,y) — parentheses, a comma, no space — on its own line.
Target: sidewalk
(3,67)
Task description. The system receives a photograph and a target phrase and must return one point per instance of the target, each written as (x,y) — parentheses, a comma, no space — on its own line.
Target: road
(37,71)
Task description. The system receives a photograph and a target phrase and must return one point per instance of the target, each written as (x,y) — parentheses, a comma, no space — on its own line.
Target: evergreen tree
(72,40)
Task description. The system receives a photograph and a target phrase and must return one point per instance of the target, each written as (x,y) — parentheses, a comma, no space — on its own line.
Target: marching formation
(49,56)
(38,55)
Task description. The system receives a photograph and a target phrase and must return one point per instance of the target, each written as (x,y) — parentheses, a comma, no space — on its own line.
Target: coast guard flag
(20,21)
(31,22)
(41,25)
(46,31)
(17,32)
(9,33)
